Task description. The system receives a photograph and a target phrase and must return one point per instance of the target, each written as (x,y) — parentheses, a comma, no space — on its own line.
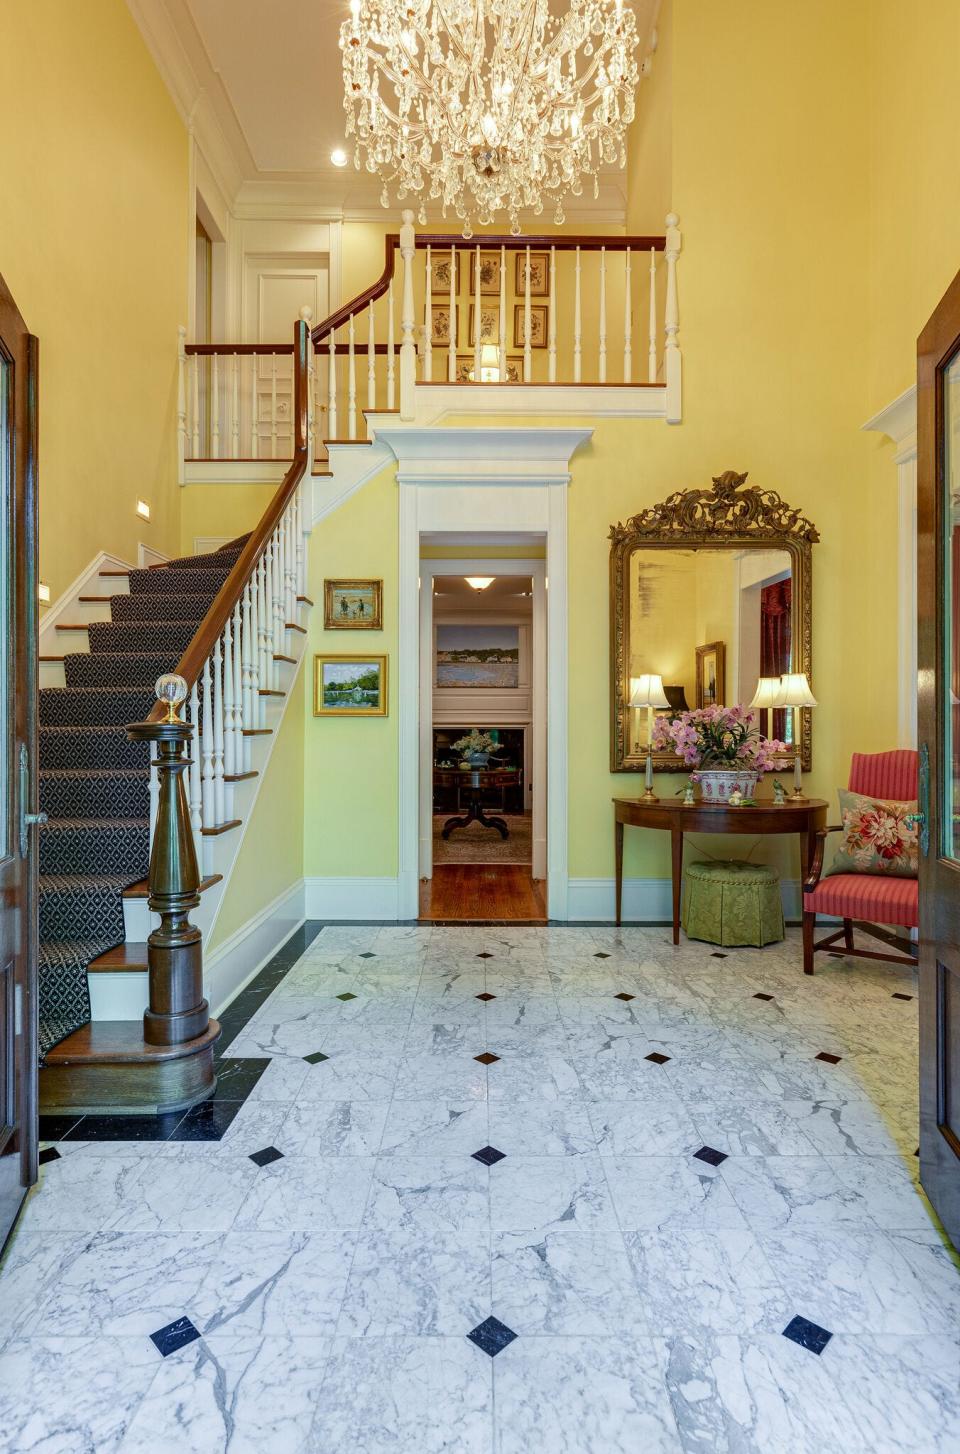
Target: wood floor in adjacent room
(483,891)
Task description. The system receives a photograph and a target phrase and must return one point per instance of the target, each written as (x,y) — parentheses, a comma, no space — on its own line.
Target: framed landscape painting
(353,605)
(711,674)
(478,656)
(349,686)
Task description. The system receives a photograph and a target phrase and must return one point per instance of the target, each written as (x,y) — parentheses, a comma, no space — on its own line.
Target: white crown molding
(898,421)
(464,456)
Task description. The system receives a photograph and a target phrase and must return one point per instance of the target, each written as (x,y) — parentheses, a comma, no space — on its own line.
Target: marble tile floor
(655,1221)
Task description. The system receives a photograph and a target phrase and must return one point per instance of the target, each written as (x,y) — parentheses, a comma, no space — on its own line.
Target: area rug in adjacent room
(477,844)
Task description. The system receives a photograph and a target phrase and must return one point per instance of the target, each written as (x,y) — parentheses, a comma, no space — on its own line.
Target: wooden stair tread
(115,572)
(72,626)
(306,600)
(126,957)
(100,600)
(141,889)
(348,441)
(50,658)
(222,828)
(256,731)
(270,692)
(121,1042)
(240,777)
(292,626)
(322,474)
(278,656)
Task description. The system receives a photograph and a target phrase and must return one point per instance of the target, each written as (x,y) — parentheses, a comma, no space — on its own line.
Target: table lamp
(795,692)
(647,691)
(765,697)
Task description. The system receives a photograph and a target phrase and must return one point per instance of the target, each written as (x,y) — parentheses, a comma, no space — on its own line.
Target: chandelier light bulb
(339,157)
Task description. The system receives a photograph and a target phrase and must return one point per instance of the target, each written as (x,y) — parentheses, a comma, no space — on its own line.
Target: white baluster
(293,529)
(266,675)
(627,320)
(552,333)
(371,360)
(351,383)
(428,321)
(332,383)
(181,402)
(219,787)
(235,407)
(195,363)
(247,658)
(229,743)
(672,358)
(527,356)
(306,314)
(289,581)
(239,764)
(577,322)
(194,778)
(476,317)
(273,406)
(452,344)
(502,339)
(603,316)
(652,346)
(391,362)
(301,555)
(277,607)
(215,407)
(263,660)
(254,421)
(208,795)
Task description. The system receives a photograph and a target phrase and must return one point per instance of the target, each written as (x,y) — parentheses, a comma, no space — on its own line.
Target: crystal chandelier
(488,105)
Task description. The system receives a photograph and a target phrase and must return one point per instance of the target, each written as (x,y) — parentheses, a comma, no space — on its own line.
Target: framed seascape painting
(353,605)
(711,674)
(350,686)
(478,656)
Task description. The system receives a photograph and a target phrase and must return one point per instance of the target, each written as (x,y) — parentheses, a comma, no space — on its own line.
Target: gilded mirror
(710,591)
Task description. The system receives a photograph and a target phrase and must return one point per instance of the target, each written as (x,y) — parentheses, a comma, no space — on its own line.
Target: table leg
(808,839)
(618,853)
(676,845)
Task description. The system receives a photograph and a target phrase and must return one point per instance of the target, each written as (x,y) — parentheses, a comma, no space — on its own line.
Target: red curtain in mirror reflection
(776,602)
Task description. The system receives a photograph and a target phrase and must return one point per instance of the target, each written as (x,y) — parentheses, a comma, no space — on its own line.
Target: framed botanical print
(712,674)
(350,686)
(489,323)
(539,274)
(440,325)
(465,369)
(489,272)
(440,272)
(353,605)
(538,325)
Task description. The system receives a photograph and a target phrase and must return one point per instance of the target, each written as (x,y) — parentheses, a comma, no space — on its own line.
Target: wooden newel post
(177,1011)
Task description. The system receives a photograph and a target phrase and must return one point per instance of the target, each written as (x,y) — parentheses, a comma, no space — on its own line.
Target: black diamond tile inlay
(492,1336)
(600,955)
(657,1058)
(830,1059)
(809,1335)
(51,1154)
(175,1335)
(486,1058)
(898,996)
(489,1155)
(717,955)
(316,1057)
(484,955)
(368,954)
(264,1157)
(485,996)
(346,996)
(624,996)
(710,1156)
(759,996)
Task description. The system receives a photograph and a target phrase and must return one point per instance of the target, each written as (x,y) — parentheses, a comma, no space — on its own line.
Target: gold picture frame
(440,325)
(489,273)
(539,274)
(712,674)
(350,685)
(538,325)
(353,605)
(440,271)
(489,323)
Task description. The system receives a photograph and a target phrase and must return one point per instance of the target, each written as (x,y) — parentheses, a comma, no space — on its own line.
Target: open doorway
(483,740)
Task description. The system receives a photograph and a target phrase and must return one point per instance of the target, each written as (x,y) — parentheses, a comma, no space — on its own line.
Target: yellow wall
(271,855)
(210,511)
(93,246)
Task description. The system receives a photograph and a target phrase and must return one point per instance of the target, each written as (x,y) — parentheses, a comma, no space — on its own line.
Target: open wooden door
(938,606)
(18,751)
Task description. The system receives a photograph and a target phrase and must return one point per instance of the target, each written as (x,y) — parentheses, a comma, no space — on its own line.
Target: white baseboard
(87,583)
(645,900)
(240,957)
(352,898)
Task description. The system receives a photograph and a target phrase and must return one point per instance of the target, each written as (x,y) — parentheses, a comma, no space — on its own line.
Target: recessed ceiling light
(479,583)
(339,157)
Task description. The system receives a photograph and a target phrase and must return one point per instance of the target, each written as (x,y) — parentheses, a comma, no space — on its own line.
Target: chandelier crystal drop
(486,106)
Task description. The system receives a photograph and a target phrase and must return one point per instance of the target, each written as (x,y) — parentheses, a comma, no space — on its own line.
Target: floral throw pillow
(876,837)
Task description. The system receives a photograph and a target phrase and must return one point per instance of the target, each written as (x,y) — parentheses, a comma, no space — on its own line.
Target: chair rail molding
(898,422)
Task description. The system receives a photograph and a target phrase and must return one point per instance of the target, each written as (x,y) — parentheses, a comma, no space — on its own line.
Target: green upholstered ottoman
(732,903)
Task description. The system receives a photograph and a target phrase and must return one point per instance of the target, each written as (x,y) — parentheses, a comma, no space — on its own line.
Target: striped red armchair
(867,899)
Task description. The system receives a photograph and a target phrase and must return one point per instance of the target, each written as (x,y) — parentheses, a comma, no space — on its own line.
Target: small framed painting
(440,325)
(440,270)
(539,274)
(465,369)
(538,325)
(711,674)
(489,323)
(489,272)
(353,605)
(350,686)
(477,656)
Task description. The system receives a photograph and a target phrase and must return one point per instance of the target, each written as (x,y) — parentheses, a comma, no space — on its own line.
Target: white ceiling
(503,593)
(261,82)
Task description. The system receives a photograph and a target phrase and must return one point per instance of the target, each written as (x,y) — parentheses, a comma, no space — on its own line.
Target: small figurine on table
(735,799)
(688,798)
(779,793)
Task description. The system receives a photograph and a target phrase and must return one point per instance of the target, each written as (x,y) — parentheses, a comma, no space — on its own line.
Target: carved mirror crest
(709,590)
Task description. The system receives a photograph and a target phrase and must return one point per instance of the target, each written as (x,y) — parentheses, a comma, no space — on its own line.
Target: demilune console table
(803,817)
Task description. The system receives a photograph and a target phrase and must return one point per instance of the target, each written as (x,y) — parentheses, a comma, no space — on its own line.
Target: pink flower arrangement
(715,738)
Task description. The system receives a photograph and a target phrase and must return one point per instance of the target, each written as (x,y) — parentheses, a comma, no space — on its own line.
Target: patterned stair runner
(94,782)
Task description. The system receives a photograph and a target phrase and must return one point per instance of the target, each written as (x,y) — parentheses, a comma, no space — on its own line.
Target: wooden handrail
(370,295)
(208,633)
(204,349)
(562,243)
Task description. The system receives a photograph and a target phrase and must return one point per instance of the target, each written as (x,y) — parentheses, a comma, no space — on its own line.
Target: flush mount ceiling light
(479,583)
(488,106)
(339,157)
